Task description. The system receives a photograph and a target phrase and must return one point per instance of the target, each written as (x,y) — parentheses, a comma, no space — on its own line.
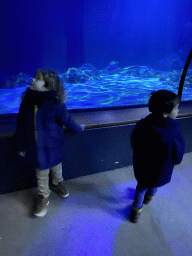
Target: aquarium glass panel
(110,53)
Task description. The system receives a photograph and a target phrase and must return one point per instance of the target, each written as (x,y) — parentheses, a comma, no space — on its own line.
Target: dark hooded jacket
(157,146)
(40,128)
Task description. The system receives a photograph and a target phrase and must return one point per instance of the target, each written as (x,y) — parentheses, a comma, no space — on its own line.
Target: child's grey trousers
(43,179)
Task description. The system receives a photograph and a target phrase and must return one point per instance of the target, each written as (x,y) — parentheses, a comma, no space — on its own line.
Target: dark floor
(93,220)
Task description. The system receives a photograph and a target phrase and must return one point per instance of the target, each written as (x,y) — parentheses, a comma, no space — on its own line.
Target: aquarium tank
(110,53)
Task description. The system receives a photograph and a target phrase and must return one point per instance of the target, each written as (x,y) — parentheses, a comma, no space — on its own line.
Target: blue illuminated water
(111,91)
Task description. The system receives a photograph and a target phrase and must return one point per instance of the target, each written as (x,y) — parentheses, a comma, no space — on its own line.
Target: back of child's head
(53,82)
(162,101)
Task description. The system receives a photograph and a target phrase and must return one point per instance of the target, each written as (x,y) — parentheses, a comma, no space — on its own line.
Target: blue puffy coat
(40,131)
(157,146)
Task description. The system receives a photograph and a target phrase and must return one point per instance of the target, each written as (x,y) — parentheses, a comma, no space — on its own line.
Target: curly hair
(163,101)
(52,82)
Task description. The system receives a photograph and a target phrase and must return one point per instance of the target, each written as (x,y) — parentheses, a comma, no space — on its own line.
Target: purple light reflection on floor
(84,224)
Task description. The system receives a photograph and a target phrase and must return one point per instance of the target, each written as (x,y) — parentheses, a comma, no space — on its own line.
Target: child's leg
(151,191)
(43,182)
(138,203)
(149,195)
(56,173)
(57,180)
(139,196)
(43,192)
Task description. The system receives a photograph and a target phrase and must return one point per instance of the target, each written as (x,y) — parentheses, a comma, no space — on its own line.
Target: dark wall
(94,150)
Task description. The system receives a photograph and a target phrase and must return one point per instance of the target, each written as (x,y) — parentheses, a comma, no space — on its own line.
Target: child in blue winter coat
(40,133)
(157,146)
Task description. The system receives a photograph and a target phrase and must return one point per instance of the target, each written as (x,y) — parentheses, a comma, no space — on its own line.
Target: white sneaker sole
(65,196)
(42,213)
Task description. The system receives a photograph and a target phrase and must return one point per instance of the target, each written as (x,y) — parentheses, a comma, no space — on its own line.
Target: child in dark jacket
(157,146)
(40,133)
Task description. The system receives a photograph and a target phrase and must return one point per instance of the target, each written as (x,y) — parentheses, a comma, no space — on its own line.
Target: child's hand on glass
(22,153)
(82,126)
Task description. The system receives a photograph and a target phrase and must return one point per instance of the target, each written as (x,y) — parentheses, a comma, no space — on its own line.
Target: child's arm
(136,135)
(178,148)
(65,119)
(20,129)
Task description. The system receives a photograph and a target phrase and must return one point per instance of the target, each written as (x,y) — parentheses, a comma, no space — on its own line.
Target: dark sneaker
(135,214)
(147,199)
(41,204)
(60,190)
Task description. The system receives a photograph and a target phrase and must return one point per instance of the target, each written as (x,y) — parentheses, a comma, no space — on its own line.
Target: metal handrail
(182,80)
(126,122)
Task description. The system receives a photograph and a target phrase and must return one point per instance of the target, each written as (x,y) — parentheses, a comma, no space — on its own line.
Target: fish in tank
(108,54)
